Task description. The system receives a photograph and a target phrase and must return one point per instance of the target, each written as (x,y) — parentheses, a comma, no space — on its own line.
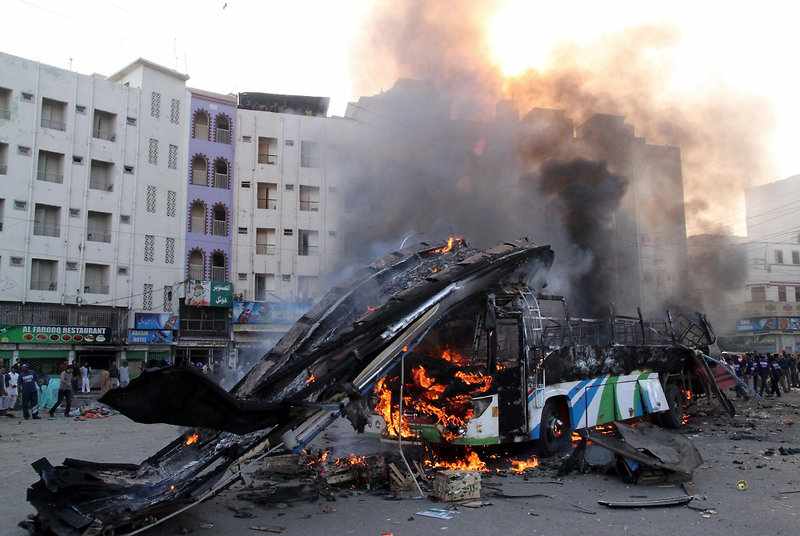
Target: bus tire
(556,430)
(673,417)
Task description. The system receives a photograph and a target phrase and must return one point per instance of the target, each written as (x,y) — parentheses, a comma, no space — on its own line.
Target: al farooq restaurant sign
(34,334)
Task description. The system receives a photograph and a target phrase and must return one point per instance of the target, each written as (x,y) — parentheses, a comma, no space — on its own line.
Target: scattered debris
(649,503)
(742,485)
(456,486)
(273,529)
(438,513)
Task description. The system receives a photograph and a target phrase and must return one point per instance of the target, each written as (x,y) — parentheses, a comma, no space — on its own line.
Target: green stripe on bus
(608,402)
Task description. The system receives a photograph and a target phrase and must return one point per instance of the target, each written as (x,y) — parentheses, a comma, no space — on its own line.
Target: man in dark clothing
(64,392)
(762,372)
(775,375)
(30,392)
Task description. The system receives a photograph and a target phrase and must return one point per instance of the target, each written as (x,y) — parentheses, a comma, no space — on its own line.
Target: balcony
(196,271)
(43,284)
(98,236)
(267,158)
(53,124)
(223,136)
(204,326)
(308,251)
(103,134)
(218,228)
(49,176)
(3,169)
(220,180)
(95,289)
(5,113)
(44,229)
(218,273)
(266,249)
(269,204)
(309,206)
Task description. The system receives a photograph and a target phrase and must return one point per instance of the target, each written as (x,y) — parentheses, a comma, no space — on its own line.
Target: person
(12,384)
(784,363)
(775,375)
(3,392)
(763,373)
(64,391)
(113,373)
(794,371)
(105,381)
(85,387)
(28,381)
(124,374)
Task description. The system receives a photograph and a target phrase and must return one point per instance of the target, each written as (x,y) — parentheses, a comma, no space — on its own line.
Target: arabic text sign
(209,293)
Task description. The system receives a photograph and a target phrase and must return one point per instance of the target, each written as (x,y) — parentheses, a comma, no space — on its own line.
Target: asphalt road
(761,509)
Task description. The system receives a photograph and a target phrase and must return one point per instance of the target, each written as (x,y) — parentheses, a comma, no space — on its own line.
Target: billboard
(36,334)
(768,324)
(248,312)
(209,293)
(150,336)
(156,321)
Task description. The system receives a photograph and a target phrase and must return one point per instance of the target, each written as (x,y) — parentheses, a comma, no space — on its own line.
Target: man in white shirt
(124,374)
(12,386)
(85,388)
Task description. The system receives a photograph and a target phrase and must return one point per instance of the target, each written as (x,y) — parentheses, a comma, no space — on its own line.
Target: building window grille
(172,157)
(155,104)
(175,111)
(152,153)
(150,199)
(171,202)
(169,251)
(149,248)
(147,297)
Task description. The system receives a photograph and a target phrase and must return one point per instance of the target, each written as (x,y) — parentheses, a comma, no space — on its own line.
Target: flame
(451,356)
(472,462)
(311,379)
(451,241)
(576,438)
(351,460)
(192,439)
(688,394)
(433,390)
(520,466)
(391,416)
(483,382)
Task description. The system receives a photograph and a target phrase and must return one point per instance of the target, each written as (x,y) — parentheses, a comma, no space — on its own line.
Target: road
(759,510)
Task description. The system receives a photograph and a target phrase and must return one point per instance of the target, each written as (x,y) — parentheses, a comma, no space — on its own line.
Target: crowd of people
(772,373)
(22,387)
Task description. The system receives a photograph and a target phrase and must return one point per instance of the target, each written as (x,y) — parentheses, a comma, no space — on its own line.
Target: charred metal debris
(450,329)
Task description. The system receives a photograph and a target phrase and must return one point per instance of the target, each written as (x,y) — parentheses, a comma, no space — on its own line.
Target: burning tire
(674,417)
(556,428)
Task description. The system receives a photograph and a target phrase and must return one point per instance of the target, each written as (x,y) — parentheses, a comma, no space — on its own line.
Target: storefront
(46,347)
(258,326)
(764,334)
(205,335)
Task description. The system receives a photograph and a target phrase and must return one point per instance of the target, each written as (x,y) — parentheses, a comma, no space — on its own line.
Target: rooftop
(141,62)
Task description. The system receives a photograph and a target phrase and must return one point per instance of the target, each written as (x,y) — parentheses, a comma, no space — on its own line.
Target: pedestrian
(124,374)
(84,370)
(30,392)
(105,381)
(763,373)
(784,363)
(64,392)
(76,377)
(12,385)
(775,375)
(793,370)
(113,373)
(3,392)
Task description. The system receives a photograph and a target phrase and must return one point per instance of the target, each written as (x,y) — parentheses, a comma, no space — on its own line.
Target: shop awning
(43,354)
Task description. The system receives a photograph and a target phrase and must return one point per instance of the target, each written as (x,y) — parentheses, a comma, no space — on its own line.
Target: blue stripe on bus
(581,405)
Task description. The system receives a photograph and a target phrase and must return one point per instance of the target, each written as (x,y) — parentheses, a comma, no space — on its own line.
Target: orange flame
(483,382)
(192,439)
(448,248)
(688,395)
(433,390)
(520,466)
(311,379)
(391,416)
(472,462)
(351,460)
(451,356)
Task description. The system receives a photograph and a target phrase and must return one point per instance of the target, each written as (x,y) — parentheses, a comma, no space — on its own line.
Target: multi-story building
(286,204)
(90,197)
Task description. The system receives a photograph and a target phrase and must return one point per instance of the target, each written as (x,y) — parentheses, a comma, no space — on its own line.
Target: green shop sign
(209,293)
(35,334)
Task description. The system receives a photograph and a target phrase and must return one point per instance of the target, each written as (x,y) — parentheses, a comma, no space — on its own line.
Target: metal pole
(400,424)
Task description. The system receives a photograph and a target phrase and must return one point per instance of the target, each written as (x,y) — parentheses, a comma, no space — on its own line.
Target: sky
(307,46)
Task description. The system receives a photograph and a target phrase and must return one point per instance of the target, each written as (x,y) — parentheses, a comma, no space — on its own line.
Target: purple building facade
(210,186)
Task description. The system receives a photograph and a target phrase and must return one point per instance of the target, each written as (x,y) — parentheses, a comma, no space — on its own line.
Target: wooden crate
(456,486)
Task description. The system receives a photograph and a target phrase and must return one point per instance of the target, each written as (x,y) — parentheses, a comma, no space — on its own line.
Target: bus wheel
(556,431)
(672,418)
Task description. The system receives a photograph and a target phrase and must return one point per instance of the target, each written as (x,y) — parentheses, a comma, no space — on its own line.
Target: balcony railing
(101,184)
(218,229)
(43,284)
(265,249)
(5,113)
(211,327)
(98,236)
(220,180)
(104,135)
(44,229)
(199,178)
(308,251)
(3,169)
(53,124)
(309,206)
(196,271)
(223,136)
(198,225)
(269,204)
(95,289)
(49,176)
(201,132)
(266,158)
(218,273)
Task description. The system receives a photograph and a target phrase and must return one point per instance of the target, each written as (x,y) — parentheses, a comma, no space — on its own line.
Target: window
(309,198)
(72,266)
(196,265)
(267,195)
(23,150)
(242,230)
(53,113)
(218,268)
(46,220)
(286,277)
(101,176)
(219,221)
(124,218)
(95,279)
(265,241)
(51,167)
(795,294)
(74,213)
(128,170)
(267,150)
(288,232)
(16,261)
(122,270)
(263,283)
(197,219)
(245,184)
(307,242)
(758,294)
(27,97)
(778,256)
(150,199)
(289,143)
(79,108)
(20,205)
(781,293)
(222,132)
(77,160)
(795,257)
(221,171)
(104,125)
(200,129)
(2,210)
(171,202)
(149,248)
(332,233)
(3,158)
(5,103)
(332,189)
(155,104)
(306,287)
(241,276)
(175,111)
(130,121)
(172,157)
(98,226)
(247,139)
(200,171)
(289,187)
(167,300)
(152,152)
(147,297)
(169,251)
(309,154)
(43,274)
